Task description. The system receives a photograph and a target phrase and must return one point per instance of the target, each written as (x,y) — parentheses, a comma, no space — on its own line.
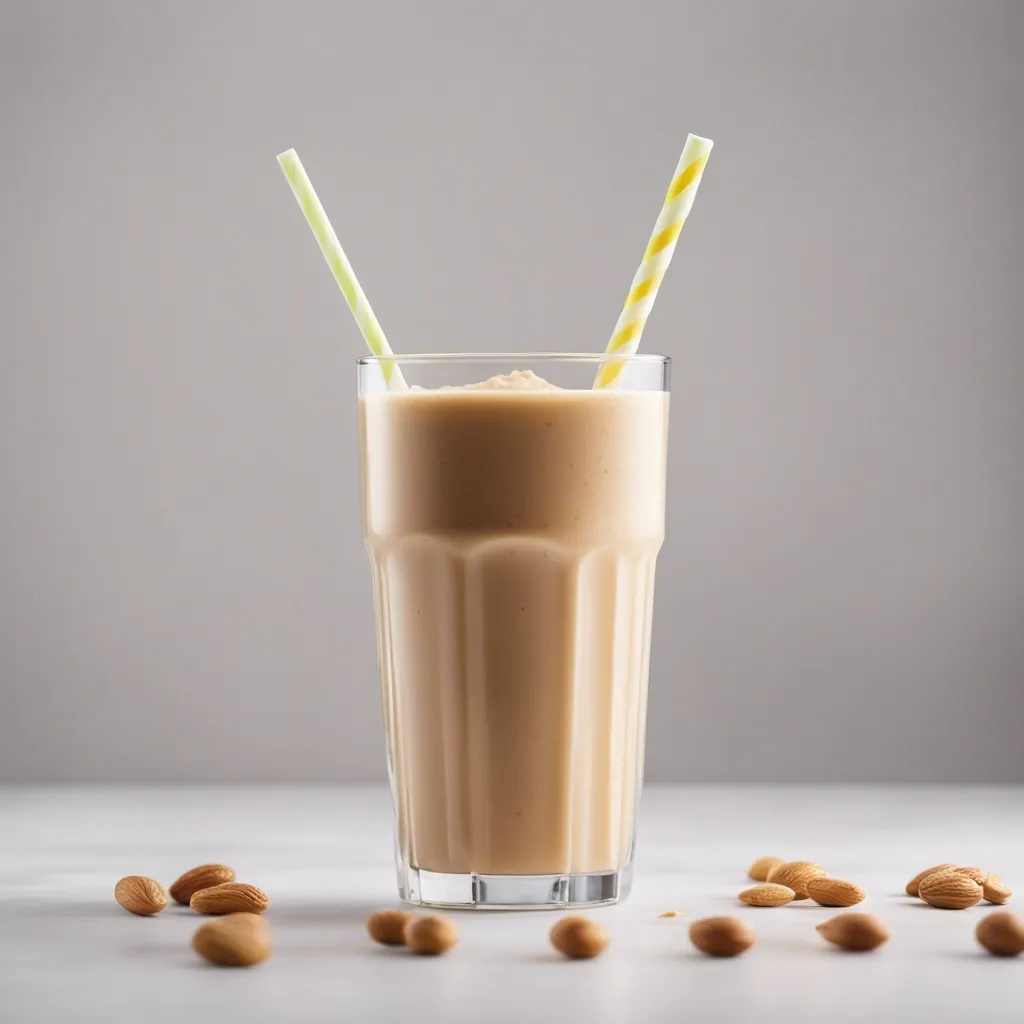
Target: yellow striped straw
(640,300)
(342,270)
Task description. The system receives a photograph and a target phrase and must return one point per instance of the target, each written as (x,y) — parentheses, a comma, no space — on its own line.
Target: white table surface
(69,953)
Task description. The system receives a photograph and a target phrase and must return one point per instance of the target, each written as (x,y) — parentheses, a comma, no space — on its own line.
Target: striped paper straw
(340,266)
(640,300)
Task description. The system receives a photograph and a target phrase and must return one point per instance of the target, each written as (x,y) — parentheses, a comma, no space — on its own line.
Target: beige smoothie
(513,529)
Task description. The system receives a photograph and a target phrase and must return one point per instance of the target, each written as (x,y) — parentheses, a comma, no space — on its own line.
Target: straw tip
(288,154)
(699,140)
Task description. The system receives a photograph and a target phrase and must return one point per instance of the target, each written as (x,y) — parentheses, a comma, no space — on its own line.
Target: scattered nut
(977,874)
(768,894)
(722,936)
(202,877)
(855,932)
(834,892)
(796,874)
(995,890)
(230,898)
(914,884)
(579,938)
(670,913)
(949,891)
(388,926)
(140,895)
(1001,933)
(237,940)
(430,936)
(762,867)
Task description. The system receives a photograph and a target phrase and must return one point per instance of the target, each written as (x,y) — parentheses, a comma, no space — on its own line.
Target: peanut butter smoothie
(513,529)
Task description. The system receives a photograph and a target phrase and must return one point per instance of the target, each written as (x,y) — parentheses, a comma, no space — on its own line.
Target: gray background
(183,589)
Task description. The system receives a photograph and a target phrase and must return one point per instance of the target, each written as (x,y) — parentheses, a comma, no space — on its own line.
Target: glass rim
(525,357)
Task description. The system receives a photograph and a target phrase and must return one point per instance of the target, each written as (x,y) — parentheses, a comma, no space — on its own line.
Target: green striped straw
(342,270)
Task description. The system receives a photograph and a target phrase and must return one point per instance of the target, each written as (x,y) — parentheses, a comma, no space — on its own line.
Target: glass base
(513,892)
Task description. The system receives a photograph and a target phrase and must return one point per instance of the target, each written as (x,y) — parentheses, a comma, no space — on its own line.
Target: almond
(796,874)
(768,894)
(855,932)
(230,898)
(202,877)
(995,890)
(834,892)
(1001,933)
(931,876)
(579,938)
(237,940)
(976,873)
(140,895)
(914,884)
(431,936)
(388,926)
(949,891)
(722,936)
(762,867)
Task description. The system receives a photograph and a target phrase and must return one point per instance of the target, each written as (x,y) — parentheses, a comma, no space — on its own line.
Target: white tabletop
(69,953)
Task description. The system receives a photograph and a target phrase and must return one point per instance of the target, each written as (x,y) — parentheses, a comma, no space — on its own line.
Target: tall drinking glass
(513,529)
